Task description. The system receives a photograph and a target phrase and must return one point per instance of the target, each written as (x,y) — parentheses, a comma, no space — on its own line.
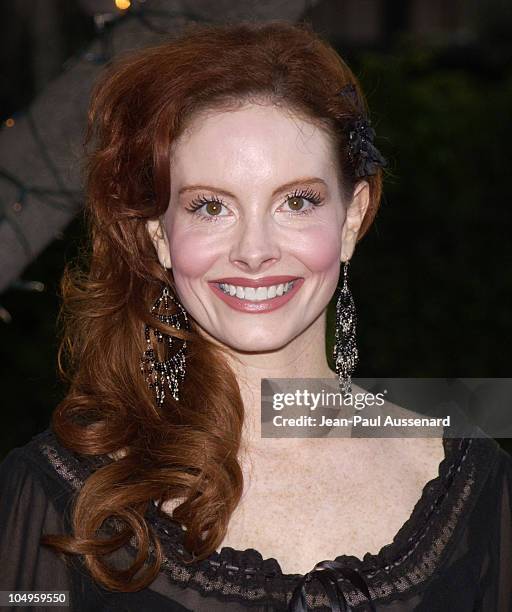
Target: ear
(159,238)
(353,220)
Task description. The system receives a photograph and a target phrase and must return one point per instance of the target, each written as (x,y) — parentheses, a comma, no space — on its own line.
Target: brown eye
(296,200)
(213,208)
(296,203)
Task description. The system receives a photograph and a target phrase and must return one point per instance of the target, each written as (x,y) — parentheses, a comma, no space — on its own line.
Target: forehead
(252,143)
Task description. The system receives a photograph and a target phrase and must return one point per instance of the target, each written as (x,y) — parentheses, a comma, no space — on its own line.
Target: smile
(258,294)
(256,299)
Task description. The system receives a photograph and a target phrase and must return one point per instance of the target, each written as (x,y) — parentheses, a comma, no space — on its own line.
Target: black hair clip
(362,152)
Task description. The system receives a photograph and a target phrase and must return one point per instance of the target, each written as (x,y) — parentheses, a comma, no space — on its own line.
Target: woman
(233,169)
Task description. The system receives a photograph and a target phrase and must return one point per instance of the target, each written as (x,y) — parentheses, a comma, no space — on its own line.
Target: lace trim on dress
(396,571)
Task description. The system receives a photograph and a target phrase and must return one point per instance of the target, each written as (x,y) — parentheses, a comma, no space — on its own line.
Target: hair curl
(186,450)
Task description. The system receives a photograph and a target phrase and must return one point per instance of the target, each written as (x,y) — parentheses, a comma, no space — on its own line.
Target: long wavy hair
(184,450)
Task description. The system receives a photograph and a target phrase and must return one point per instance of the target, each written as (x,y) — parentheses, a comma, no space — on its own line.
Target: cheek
(192,252)
(319,249)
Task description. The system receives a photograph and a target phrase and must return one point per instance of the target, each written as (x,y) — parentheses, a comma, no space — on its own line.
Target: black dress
(454,553)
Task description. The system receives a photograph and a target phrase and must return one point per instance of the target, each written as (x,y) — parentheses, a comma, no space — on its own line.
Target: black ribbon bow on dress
(362,152)
(329,574)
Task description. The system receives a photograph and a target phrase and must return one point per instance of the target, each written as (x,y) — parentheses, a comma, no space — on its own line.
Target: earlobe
(160,242)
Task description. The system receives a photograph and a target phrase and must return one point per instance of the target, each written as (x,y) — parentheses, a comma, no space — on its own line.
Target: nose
(256,247)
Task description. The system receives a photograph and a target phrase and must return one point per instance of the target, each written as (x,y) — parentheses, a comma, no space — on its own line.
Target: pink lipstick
(260,306)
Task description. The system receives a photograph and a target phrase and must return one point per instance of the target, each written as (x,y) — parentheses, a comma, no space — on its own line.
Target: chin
(257,344)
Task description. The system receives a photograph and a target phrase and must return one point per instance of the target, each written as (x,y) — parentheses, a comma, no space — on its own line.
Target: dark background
(431,279)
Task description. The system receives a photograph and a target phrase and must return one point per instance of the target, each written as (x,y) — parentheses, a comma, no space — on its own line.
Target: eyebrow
(279,190)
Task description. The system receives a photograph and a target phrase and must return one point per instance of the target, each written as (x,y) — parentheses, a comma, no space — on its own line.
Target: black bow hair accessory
(361,150)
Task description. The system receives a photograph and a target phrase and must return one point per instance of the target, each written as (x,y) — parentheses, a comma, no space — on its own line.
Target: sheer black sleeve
(34,503)
(35,500)
(496,578)
(26,513)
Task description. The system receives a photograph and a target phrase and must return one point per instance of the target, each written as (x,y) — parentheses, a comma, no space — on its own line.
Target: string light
(5,315)
(28,285)
(122,5)
(9,122)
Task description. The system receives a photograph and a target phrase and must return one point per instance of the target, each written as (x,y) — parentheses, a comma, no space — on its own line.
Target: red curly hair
(186,449)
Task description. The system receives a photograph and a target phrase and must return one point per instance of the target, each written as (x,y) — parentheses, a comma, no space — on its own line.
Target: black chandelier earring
(170,372)
(345,348)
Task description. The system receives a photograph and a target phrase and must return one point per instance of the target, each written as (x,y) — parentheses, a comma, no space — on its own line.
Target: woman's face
(268,210)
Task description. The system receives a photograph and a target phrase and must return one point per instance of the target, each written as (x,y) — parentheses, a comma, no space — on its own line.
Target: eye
(213,205)
(295,201)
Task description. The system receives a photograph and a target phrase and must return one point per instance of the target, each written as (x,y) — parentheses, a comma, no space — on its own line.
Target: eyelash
(308,194)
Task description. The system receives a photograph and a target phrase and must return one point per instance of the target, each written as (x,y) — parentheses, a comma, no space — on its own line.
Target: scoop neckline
(422,544)
(251,560)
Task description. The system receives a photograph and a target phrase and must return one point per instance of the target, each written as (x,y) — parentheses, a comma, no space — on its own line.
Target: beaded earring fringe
(345,349)
(170,372)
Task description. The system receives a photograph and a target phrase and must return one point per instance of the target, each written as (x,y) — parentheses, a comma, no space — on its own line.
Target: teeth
(253,294)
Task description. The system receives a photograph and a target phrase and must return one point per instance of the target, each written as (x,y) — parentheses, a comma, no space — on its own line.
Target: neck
(303,357)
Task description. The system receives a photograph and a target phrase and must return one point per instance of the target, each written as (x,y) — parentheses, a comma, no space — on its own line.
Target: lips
(266,281)
(257,307)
